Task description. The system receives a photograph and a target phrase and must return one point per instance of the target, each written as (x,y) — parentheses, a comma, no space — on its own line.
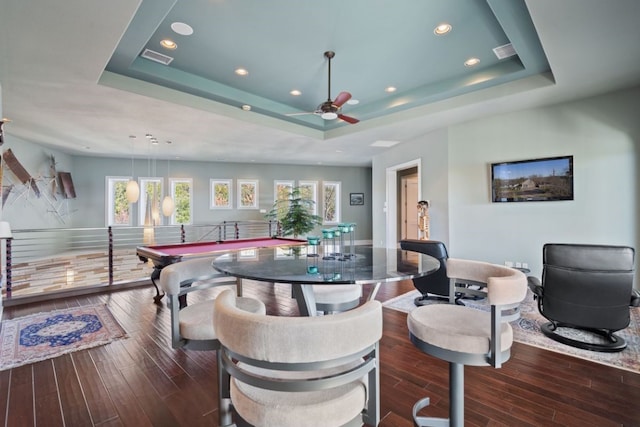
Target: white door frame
(391,201)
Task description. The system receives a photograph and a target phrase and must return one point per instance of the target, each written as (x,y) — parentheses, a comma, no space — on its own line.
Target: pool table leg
(155,275)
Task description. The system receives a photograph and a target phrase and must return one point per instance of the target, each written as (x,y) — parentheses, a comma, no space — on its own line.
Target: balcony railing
(59,260)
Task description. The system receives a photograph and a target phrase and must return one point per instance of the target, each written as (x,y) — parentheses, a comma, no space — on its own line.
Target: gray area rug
(526,330)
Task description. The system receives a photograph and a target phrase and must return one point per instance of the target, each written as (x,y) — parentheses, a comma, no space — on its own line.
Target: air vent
(504,51)
(156,56)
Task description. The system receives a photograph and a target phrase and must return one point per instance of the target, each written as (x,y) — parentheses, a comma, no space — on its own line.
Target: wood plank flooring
(141,381)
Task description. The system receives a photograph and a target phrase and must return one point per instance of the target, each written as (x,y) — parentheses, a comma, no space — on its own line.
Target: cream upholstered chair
(335,298)
(467,336)
(300,371)
(192,326)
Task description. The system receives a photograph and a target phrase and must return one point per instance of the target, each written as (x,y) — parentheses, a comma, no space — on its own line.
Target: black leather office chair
(437,284)
(586,287)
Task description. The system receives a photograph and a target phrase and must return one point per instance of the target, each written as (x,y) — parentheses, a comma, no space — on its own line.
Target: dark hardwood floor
(141,381)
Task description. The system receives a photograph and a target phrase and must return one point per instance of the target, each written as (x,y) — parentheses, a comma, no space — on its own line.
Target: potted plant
(294,213)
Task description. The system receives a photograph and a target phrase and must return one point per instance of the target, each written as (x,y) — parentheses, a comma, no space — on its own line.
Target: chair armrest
(535,286)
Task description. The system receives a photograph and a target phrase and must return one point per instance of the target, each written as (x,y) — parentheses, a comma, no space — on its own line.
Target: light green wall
(602,133)
(90,172)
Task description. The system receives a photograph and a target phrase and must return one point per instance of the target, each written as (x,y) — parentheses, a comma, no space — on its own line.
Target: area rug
(526,330)
(43,336)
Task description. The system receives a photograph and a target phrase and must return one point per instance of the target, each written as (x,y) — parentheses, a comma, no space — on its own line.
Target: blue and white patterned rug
(526,330)
(43,336)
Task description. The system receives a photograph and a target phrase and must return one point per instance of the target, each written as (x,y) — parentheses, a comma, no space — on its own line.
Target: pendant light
(133,189)
(167,203)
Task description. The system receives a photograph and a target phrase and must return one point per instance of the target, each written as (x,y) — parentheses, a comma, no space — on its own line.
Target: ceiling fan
(330,110)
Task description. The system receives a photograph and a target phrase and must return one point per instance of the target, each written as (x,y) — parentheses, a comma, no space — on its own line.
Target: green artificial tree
(294,211)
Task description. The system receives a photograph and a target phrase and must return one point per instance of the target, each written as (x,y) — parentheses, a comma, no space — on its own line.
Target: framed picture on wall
(247,194)
(221,194)
(356,199)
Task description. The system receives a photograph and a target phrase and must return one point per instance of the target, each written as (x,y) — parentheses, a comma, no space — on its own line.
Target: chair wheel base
(425,299)
(614,342)
(427,421)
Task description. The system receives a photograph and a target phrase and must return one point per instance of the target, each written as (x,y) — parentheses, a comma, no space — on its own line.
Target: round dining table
(304,266)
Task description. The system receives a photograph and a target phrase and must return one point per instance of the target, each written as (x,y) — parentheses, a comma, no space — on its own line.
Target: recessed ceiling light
(390,89)
(246,107)
(182,28)
(383,143)
(442,29)
(353,101)
(471,62)
(168,44)
(241,72)
(295,92)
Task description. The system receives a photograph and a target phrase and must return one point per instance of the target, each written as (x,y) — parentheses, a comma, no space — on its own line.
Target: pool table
(163,255)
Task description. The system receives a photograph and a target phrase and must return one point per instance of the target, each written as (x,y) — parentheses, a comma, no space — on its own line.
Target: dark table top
(290,265)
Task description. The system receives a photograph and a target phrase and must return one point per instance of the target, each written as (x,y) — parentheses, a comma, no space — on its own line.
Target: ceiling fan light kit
(330,110)
(329,115)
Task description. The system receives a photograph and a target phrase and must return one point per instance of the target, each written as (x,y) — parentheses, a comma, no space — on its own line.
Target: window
(331,202)
(309,190)
(149,205)
(221,194)
(247,194)
(118,207)
(183,200)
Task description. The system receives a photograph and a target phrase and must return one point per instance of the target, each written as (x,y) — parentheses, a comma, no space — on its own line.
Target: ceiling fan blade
(341,99)
(300,114)
(348,119)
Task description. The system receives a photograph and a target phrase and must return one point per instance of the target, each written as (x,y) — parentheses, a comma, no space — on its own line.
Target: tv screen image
(535,180)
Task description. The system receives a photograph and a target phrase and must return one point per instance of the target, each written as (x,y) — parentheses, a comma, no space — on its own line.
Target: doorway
(393,204)
(407,203)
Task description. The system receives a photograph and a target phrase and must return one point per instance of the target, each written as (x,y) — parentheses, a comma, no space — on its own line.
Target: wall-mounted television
(534,180)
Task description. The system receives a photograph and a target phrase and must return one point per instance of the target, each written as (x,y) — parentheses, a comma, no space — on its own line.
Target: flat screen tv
(535,180)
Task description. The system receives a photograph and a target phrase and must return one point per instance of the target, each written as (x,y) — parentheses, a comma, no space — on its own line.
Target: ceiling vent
(156,56)
(504,51)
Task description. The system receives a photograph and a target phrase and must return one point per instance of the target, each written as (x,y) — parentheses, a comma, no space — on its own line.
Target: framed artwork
(282,190)
(247,194)
(331,202)
(221,192)
(356,199)
(309,190)
(281,194)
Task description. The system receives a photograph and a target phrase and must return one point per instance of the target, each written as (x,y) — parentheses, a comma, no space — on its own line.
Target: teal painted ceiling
(73,78)
(281,43)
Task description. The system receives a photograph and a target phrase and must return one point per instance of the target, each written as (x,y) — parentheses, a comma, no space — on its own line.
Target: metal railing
(62,259)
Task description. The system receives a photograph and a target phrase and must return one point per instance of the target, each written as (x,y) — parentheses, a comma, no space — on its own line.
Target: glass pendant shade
(133,191)
(167,206)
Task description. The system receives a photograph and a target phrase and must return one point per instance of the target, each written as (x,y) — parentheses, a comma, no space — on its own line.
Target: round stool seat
(336,298)
(456,328)
(196,320)
(336,294)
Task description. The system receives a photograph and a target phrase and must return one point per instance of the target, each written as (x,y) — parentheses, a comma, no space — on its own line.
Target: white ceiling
(57,93)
